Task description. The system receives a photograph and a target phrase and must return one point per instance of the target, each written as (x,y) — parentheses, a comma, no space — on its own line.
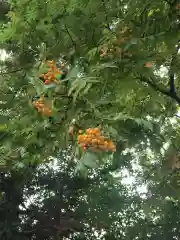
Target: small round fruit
(46,82)
(148,64)
(95,141)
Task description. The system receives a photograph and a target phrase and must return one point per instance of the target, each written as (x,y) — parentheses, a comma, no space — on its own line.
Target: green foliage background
(136,106)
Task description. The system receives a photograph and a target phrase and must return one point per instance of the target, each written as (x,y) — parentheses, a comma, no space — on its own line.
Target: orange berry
(41,101)
(40,105)
(47,112)
(87,131)
(94,141)
(102,147)
(148,64)
(71,130)
(83,139)
(46,81)
(97,130)
(105,143)
(114,149)
(41,76)
(83,146)
(101,138)
(79,137)
(93,132)
(91,138)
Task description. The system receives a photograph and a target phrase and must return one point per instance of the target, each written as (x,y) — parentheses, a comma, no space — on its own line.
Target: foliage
(122,64)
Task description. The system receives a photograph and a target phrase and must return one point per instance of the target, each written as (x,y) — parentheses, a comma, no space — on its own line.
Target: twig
(13,71)
(177,116)
(48,226)
(171,92)
(171,81)
(168,93)
(106,17)
(171,73)
(72,40)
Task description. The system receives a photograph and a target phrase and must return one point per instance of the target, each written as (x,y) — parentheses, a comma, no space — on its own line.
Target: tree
(113,53)
(49,203)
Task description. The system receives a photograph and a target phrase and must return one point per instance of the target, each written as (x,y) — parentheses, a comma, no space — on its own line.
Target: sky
(3,55)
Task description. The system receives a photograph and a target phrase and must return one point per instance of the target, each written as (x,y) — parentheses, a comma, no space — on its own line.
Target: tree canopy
(89,92)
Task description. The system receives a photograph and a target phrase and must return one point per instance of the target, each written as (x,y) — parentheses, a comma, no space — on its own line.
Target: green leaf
(91,54)
(113,132)
(43,69)
(146,208)
(86,90)
(58,76)
(81,169)
(147,124)
(73,73)
(3,127)
(77,86)
(40,88)
(90,160)
(151,12)
(19,165)
(106,65)
(133,41)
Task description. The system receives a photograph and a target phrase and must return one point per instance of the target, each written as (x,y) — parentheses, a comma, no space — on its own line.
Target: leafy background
(123,74)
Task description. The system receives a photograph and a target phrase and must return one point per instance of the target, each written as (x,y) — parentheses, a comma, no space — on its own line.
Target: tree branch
(154,86)
(13,71)
(171,82)
(171,92)
(72,40)
(171,72)
(168,93)
(106,16)
(4,9)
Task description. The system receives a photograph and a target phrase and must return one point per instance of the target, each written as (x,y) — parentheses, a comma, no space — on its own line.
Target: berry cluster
(114,48)
(109,51)
(148,64)
(93,139)
(114,51)
(42,107)
(53,74)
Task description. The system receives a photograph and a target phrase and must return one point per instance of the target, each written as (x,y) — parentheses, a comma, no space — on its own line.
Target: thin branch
(171,92)
(154,86)
(4,8)
(168,93)
(106,16)
(171,82)
(72,40)
(49,226)
(177,116)
(171,72)
(13,71)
